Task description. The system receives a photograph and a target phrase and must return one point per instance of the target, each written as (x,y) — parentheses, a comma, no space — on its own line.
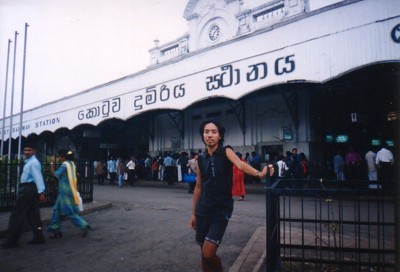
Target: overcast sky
(73,45)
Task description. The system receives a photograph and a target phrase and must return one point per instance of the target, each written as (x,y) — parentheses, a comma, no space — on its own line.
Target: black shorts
(211,229)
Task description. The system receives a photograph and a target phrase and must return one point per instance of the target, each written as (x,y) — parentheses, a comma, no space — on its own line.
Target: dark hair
(220,127)
(30,141)
(29,144)
(68,155)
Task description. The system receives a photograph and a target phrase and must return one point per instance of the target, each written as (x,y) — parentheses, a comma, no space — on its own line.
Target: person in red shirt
(238,188)
(352,163)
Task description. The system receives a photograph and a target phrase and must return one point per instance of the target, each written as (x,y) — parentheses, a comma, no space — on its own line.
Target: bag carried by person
(284,173)
(80,205)
(189,178)
(284,170)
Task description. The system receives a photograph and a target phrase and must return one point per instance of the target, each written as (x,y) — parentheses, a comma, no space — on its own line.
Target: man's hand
(42,198)
(192,222)
(268,169)
(271,169)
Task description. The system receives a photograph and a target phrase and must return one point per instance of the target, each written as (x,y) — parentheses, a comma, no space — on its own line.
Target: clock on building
(214,32)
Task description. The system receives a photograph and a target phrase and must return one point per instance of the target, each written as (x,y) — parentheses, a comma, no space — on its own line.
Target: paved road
(146,229)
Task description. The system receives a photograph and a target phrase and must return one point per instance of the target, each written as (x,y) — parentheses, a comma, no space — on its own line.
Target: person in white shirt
(131,165)
(385,161)
(31,191)
(370,158)
(282,168)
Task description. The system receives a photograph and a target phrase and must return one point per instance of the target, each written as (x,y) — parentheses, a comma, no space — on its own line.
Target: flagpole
(5,100)
(22,94)
(12,98)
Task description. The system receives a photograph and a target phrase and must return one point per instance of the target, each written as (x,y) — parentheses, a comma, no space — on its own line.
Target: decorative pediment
(188,13)
(206,5)
(211,22)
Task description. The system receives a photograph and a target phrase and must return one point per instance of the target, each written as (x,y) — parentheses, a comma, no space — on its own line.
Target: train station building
(277,73)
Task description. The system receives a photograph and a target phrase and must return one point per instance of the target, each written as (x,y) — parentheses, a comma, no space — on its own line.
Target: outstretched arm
(247,168)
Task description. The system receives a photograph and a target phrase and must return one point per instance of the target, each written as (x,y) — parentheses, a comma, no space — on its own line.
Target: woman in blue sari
(68,199)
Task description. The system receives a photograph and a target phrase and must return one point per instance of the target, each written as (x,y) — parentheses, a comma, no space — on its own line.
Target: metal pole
(12,98)
(272,228)
(5,100)
(397,227)
(21,113)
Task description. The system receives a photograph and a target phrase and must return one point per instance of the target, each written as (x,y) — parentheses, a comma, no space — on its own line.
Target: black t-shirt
(216,182)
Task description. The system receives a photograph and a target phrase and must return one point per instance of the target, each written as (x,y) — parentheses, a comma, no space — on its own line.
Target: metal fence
(317,225)
(9,178)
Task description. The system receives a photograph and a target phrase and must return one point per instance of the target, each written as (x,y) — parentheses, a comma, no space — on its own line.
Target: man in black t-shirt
(212,200)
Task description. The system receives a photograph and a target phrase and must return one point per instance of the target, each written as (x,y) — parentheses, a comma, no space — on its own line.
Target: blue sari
(66,204)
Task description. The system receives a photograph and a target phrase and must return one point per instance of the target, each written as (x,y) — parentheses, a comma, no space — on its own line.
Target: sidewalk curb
(248,254)
(46,214)
(97,206)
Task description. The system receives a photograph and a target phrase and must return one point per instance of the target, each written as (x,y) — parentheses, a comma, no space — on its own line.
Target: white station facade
(277,74)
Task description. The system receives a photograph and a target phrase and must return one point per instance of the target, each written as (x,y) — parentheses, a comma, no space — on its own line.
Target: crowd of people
(169,167)
(373,165)
(293,165)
